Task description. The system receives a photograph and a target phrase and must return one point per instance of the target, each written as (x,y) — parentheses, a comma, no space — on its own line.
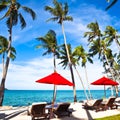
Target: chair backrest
(97,102)
(63,107)
(38,109)
(111,101)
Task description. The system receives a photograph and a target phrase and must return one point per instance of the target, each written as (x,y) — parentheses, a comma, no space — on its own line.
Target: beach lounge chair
(93,105)
(37,110)
(62,110)
(110,104)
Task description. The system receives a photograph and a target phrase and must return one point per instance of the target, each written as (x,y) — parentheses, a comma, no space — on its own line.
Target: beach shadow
(89,115)
(4,116)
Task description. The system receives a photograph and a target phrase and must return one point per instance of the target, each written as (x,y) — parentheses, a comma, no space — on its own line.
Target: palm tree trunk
(88,83)
(55,87)
(117,43)
(2,87)
(70,64)
(116,89)
(72,76)
(82,83)
(5,69)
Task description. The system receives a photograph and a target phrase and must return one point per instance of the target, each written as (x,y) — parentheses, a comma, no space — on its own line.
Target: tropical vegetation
(59,13)
(99,44)
(12,15)
(49,43)
(114,117)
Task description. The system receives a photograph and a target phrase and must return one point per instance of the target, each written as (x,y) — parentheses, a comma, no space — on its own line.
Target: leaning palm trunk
(55,87)
(116,88)
(117,43)
(87,83)
(82,83)
(70,64)
(5,68)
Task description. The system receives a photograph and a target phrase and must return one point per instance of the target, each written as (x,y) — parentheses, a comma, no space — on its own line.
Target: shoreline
(26,97)
(20,113)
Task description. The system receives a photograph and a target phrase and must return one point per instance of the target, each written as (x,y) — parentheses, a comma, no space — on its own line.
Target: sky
(30,65)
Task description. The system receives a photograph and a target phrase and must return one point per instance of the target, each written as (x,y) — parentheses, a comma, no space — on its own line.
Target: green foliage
(111,4)
(59,12)
(115,117)
(48,42)
(13,14)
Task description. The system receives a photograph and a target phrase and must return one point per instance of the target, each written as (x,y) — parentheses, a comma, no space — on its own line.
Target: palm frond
(30,11)
(68,18)
(6,14)
(113,3)
(52,19)
(2,7)
(65,8)
(22,21)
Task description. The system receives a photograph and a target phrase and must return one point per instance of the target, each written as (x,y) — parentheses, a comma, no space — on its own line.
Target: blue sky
(30,65)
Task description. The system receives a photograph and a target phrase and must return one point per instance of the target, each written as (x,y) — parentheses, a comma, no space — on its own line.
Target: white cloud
(23,76)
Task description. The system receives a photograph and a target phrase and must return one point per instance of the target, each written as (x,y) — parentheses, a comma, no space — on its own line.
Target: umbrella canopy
(104,81)
(55,79)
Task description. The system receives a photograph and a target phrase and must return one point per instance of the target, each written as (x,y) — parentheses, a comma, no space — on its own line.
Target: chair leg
(32,118)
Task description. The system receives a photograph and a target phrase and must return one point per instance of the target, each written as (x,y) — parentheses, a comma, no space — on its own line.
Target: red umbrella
(104,81)
(55,79)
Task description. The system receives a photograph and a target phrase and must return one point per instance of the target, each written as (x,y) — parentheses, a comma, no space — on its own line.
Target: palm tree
(3,53)
(97,41)
(49,43)
(12,15)
(74,60)
(105,55)
(3,49)
(99,45)
(59,12)
(111,35)
(94,32)
(81,54)
(113,3)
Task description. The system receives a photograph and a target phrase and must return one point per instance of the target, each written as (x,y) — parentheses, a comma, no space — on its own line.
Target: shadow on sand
(4,116)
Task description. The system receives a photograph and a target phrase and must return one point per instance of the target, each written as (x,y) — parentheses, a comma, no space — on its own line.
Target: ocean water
(27,97)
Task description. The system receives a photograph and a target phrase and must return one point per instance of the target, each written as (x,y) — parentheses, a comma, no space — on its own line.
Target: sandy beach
(20,113)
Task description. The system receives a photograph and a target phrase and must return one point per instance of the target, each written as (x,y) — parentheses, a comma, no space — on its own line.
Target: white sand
(79,113)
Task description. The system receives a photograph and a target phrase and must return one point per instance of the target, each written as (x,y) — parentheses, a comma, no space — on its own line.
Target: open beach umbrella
(55,79)
(104,81)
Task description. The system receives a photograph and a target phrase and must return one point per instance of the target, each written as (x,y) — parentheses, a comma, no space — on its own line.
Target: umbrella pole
(104,91)
(54,94)
(112,91)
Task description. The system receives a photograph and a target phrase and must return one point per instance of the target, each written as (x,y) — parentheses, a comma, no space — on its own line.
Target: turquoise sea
(26,97)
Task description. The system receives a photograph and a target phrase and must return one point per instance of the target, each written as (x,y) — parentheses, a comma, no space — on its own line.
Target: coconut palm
(3,49)
(13,15)
(49,43)
(111,35)
(3,53)
(85,57)
(94,32)
(59,12)
(99,45)
(74,61)
(97,42)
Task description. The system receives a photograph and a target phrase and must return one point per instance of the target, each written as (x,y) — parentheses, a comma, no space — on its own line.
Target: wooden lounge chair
(110,104)
(62,110)
(38,110)
(94,105)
